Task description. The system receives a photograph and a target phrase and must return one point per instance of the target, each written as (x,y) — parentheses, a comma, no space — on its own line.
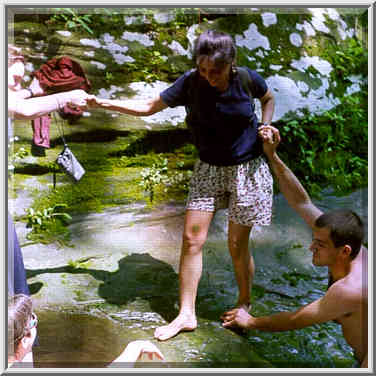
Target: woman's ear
(347,250)
(27,341)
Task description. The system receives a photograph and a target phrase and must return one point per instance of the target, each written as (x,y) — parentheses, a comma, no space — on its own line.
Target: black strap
(247,83)
(60,128)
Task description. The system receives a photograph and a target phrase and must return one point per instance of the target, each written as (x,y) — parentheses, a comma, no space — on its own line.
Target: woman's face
(15,75)
(217,76)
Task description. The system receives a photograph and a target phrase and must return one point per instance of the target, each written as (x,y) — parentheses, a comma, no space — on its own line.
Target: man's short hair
(346,228)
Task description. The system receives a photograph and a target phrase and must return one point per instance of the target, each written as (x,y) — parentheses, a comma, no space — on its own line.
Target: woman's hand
(136,349)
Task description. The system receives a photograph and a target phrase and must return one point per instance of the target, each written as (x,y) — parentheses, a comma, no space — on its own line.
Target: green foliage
(16,157)
(330,150)
(38,220)
(152,69)
(49,224)
(152,176)
(160,176)
(109,78)
(72,19)
(352,60)
(186,16)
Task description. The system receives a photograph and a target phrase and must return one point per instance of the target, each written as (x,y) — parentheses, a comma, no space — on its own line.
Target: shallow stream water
(111,306)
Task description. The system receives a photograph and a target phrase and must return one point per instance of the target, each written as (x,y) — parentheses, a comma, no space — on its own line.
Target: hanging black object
(67,160)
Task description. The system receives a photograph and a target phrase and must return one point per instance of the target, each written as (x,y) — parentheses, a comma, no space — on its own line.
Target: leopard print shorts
(245,189)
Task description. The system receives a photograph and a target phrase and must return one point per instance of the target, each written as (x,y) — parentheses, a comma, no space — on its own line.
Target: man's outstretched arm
(321,310)
(290,186)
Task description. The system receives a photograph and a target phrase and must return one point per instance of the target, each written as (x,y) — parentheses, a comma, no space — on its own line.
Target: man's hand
(270,137)
(237,317)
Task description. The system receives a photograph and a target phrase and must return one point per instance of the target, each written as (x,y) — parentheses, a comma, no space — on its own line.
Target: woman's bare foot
(182,323)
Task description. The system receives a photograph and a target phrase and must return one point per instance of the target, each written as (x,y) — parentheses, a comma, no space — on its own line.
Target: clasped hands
(270,137)
(80,99)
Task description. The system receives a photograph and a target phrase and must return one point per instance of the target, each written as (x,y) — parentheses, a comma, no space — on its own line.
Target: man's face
(323,249)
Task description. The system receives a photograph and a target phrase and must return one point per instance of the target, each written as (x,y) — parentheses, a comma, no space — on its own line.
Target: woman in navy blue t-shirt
(231,171)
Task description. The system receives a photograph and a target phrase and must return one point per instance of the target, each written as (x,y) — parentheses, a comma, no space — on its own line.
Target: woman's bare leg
(196,226)
(244,267)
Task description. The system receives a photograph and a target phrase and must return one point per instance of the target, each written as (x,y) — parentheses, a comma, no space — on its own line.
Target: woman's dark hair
(19,313)
(219,47)
(346,228)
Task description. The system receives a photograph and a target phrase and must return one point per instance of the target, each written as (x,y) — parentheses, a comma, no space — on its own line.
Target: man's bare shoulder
(353,285)
(348,294)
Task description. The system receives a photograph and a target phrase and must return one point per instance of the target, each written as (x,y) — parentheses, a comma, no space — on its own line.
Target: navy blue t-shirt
(224,125)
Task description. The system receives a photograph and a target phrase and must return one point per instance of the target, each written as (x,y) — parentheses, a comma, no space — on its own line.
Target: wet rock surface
(128,276)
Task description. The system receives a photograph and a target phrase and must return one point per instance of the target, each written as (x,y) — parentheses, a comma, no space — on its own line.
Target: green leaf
(87,28)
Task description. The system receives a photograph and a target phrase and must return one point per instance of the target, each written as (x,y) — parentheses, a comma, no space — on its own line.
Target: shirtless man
(336,243)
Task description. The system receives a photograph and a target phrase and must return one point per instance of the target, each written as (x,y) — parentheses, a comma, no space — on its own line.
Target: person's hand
(136,349)
(237,317)
(36,88)
(270,137)
(77,98)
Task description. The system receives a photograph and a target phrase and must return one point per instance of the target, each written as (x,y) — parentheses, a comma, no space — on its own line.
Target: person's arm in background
(135,350)
(144,107)
(28,109)
(295,194)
